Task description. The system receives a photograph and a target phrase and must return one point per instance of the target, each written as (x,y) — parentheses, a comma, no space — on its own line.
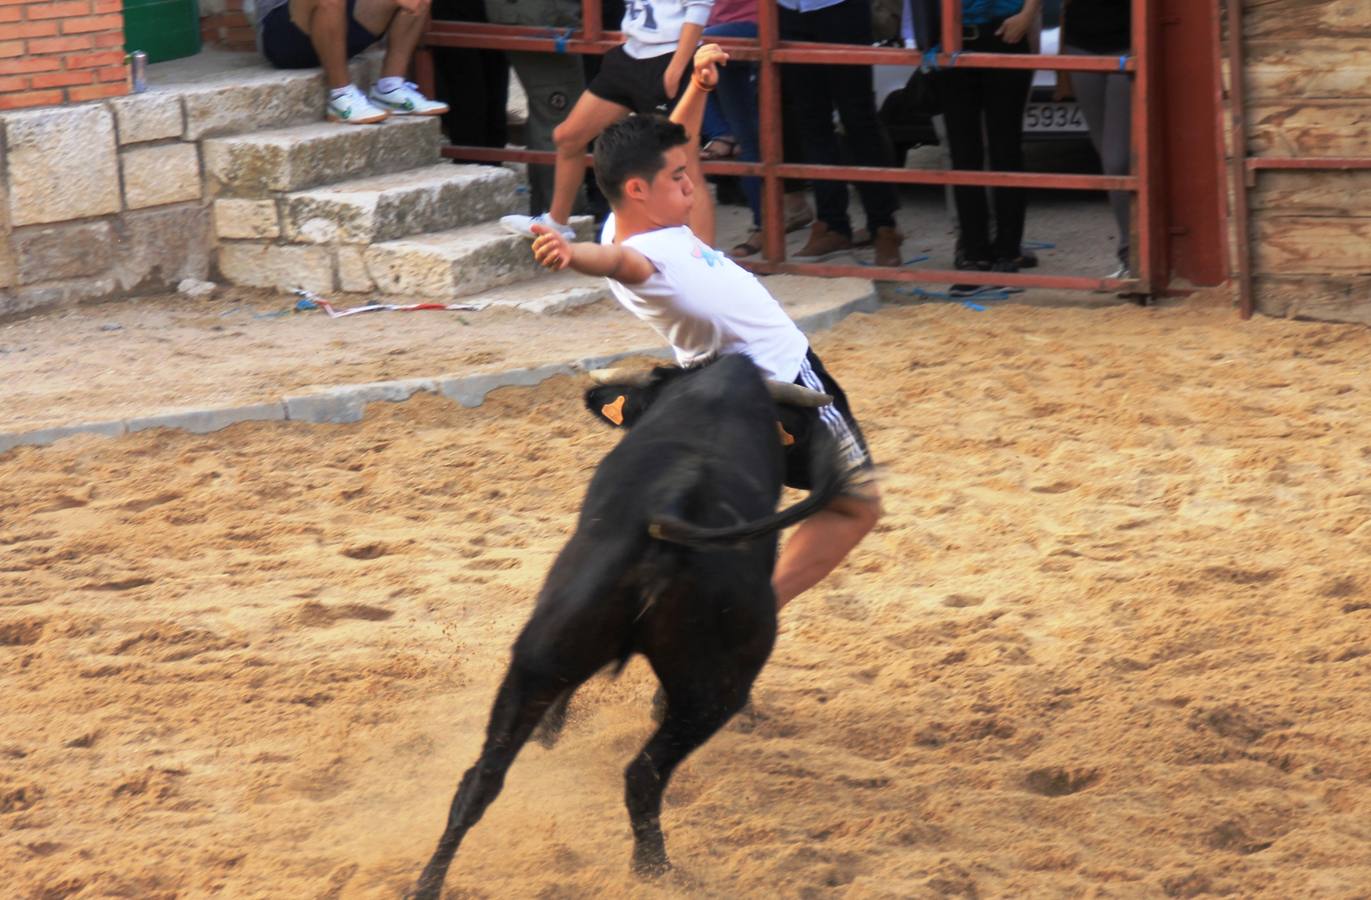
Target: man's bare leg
(403,30)
(326,23)
(822,541)
(590,116)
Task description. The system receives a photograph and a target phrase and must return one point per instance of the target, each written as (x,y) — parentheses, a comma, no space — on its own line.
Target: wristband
(701,86)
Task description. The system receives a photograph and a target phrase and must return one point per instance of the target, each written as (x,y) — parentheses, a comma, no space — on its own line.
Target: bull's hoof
(651,867)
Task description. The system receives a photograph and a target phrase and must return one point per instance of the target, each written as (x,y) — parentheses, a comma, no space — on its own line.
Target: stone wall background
(227,24)
(99,200)
(60,51)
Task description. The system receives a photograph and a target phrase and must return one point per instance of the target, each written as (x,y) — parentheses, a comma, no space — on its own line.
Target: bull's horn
(793,394)
(621,376)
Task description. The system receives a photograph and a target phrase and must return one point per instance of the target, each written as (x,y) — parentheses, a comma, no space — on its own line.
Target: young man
(302,34)
(643,74)
(655,251)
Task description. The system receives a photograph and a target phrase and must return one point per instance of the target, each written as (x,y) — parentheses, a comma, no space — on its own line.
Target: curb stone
(341,405)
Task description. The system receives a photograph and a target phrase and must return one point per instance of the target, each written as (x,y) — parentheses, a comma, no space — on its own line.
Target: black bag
(917,99)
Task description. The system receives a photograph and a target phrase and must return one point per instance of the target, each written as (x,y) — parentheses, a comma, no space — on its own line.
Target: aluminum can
(138,70)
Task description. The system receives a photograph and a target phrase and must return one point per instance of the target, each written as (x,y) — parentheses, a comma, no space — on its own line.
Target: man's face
(671,194)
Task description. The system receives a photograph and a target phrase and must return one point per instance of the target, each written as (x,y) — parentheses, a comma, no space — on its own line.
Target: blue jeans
(737,95)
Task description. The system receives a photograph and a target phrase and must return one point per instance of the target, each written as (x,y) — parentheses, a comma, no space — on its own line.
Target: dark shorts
(287,47)
(836,418)
(636,83)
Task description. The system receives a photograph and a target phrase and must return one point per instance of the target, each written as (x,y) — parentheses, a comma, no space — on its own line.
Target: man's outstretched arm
(555,252)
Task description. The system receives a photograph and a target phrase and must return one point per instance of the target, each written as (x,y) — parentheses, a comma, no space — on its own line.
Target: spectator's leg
(402,37)
(737,94)
(850,23)
(590,116)
(1117,155)
(962,115)
(326,23)
(553,84)
(808,87)
(1006,93)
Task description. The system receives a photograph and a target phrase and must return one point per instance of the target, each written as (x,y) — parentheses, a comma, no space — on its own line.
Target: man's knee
(568,138)
(862,507)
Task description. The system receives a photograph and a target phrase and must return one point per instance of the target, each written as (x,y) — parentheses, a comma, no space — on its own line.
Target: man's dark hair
(633,148)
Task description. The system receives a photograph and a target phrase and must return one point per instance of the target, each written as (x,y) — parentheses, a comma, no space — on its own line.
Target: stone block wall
(98,200)
(60,51)
(227,24)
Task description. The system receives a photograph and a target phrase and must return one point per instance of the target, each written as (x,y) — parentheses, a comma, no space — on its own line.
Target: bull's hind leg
(522,700)
(694,712)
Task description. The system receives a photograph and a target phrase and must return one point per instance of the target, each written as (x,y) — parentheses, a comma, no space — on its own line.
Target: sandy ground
(1112,639)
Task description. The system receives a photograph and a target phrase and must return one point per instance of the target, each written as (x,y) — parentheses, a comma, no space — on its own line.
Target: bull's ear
(611,403)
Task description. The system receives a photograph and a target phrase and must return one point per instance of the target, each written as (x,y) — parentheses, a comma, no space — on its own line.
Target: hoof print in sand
(1055,781)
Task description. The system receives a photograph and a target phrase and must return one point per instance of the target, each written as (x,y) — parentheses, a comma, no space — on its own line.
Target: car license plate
(1040,117)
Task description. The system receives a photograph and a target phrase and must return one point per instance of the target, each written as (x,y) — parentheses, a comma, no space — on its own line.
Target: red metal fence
(769,52)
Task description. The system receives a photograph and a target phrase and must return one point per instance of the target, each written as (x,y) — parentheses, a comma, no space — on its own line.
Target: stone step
(305,156)
(548,294)
(226,92)
(385,207)
(457,263)
(436,266)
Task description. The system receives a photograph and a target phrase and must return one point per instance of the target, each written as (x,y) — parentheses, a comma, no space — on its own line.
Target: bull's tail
(832,477)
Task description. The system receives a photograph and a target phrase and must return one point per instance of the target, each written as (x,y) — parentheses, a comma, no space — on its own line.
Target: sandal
(750,246)
(719,148)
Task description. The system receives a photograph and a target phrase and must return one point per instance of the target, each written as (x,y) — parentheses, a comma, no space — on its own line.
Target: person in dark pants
(989,102)
(1103,27)
(553,82)
(815,92)
(475,83)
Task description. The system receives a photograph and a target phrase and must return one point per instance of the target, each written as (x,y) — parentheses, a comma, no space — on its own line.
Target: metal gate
(770,52)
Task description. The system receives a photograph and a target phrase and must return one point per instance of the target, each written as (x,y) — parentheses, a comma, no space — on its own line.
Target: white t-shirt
(653,27)
(704,304)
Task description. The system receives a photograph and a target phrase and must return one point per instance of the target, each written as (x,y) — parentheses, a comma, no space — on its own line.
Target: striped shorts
(836,418)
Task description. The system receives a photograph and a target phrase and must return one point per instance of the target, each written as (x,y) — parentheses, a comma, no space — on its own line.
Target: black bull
(672,558)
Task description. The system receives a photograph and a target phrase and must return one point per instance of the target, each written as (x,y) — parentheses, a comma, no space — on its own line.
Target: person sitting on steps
(302,34)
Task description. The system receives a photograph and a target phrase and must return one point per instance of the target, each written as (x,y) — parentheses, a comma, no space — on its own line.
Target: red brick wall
(60,51)
(229,29)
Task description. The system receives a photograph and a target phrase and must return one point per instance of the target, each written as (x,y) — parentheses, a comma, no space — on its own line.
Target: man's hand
(706,59)
(551,248)
(1013,29)
(414,7)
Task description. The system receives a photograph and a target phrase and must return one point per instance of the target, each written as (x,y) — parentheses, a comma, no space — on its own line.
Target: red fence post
(772,145)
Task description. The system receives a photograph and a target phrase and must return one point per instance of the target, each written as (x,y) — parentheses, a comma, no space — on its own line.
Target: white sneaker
(353,108)
(524,225)
(406,100)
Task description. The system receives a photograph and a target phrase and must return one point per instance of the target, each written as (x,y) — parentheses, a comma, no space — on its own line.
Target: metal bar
(952,27)
(592,19)
(1236,102)
(1048,180)
(853,55)
(941,276)
(1142,140)
(1343,163)
(769,121)
(530,39)
(1041,180)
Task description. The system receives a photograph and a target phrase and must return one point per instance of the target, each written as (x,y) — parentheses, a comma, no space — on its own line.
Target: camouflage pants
(553,82)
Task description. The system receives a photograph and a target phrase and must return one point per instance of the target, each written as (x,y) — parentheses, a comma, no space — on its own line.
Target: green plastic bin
(166,29)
